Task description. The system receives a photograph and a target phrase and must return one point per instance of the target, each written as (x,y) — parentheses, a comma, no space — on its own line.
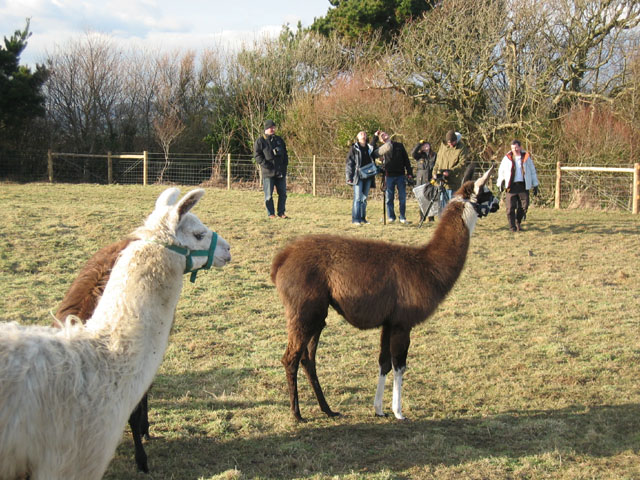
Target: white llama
(66,394)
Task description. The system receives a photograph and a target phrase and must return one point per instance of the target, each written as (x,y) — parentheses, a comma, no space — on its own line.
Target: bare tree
(167,128)
(512,65)
(167,123)
(270,75)
(449,57)
(84,90)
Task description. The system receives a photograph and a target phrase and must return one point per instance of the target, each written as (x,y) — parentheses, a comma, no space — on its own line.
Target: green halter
(196,253)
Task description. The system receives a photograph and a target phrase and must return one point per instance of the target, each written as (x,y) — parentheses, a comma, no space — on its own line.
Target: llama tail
(277,262)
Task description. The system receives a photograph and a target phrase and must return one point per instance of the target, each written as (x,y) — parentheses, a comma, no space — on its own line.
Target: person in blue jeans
(360,155)
(396,165)
(270,153)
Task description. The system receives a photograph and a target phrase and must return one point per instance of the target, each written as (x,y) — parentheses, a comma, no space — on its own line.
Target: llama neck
(136,311)
(448,248)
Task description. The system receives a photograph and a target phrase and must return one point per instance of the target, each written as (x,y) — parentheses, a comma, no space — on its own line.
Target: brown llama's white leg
(397,393)
(377,402)
(399,346)
(384,360)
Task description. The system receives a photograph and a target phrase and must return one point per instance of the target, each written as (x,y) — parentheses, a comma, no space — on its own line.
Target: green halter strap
(196,253)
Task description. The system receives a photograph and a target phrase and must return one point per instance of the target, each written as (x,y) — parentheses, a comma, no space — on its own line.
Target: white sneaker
(391,220)
(403,220)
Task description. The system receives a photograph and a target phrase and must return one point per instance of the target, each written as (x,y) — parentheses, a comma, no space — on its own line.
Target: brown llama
(80,301)
(372,284)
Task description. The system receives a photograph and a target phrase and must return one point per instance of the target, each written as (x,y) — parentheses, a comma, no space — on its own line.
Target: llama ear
(168,197)
(468,173)
(189,201)
(482,180)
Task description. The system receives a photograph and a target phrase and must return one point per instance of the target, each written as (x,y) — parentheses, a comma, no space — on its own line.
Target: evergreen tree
(21,99)
(355,19)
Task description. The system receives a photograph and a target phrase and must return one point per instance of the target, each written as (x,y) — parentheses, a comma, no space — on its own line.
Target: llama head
(173,225)
(479,195)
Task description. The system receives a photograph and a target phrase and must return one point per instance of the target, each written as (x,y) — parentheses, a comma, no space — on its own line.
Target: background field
(529,369)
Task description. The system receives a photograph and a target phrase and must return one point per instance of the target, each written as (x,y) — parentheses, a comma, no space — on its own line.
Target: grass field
(529,369)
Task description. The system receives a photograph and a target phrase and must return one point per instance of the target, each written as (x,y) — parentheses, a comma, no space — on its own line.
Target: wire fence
(597,190)
(321,176)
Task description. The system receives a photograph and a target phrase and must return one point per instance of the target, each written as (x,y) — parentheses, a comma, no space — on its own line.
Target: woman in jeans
(360,155)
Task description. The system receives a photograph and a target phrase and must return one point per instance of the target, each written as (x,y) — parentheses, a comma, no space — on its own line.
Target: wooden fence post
(109,168)
(558,183)
(635,205)
(145,166)
(50,165)
(313,188)
(228,171)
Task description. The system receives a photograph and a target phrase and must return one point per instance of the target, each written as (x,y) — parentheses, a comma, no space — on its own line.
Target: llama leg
(304,323)
(135,422)
(397,393)
(399,348)
(384,360)
(144,424)
(309,365)
(377,402)
(291,361)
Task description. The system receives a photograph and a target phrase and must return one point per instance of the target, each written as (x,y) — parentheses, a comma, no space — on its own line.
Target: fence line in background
(109,156)
(635,193)
(574,187)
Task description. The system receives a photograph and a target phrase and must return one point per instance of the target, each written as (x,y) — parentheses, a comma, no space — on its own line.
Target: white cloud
(164,24)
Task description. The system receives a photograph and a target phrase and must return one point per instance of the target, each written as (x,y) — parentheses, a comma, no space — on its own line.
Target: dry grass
(529,369)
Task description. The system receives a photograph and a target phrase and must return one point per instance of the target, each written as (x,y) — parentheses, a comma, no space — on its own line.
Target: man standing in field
(453,157)
(270,153)
(517,175)
(395,162)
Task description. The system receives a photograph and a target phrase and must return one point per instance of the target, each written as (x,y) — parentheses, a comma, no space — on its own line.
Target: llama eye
(199,236)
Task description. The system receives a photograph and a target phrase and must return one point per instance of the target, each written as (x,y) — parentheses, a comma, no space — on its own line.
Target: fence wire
(603,190)
(599,190)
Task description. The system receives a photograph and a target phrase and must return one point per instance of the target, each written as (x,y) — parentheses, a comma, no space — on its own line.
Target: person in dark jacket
(425,160)
(396,164)
(360,155)
(270,152)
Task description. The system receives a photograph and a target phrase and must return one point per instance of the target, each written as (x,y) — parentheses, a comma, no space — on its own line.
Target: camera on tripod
(442,176)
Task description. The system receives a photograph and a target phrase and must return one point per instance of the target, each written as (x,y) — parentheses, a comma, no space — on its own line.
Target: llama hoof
(332,414)
(142,466)
(381,415)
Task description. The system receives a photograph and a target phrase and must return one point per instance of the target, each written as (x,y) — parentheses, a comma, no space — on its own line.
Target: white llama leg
(397,393)
(377,402)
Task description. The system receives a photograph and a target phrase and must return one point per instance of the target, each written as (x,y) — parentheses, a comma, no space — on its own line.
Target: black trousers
(517,203)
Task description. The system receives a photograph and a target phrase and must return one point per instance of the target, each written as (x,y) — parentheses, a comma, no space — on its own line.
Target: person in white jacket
(517,175)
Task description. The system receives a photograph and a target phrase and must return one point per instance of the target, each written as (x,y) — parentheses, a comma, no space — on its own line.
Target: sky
(156,24)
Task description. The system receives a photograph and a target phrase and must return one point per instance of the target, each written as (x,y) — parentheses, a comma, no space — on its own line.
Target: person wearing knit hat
(270,152)
(451,137)
(452,160)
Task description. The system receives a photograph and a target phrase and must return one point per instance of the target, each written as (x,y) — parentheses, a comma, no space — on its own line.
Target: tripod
(430,197)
